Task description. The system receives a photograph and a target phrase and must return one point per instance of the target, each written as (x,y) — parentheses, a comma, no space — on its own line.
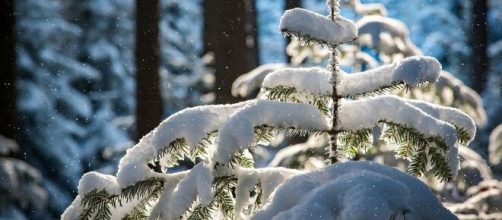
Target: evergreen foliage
(216,185)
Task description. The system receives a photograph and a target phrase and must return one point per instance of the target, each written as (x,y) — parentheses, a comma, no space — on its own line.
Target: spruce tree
(219,139)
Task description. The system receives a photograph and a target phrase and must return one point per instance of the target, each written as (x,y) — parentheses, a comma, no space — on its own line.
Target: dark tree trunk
(230,34)
(479,44)
(8,116)
(148,94)
(289,4)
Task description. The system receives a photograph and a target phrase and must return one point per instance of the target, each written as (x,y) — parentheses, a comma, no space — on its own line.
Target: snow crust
(316,26)
(238,132)
(353,190)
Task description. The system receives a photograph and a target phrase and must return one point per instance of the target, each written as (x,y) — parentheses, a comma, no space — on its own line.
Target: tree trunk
(8,116)
(230,34)
(289,4)
(148,94)
(479,44)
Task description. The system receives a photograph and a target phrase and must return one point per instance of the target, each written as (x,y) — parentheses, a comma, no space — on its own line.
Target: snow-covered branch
(238,132)
(411,71)
(191,125)
(249,82)
(309,26)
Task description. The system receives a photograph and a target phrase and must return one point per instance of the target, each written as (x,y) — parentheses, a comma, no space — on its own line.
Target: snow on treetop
(312,26)
(353,190)
(238,132)
(411,71)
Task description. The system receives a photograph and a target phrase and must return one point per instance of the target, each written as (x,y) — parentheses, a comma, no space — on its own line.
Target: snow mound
(312,25)
(353,190)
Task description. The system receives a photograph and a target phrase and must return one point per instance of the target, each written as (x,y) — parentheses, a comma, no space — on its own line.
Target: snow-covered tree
(346,107)
(53,109)
(185,76)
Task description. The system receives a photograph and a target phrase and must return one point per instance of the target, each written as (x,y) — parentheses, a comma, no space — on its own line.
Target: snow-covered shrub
(386,193)
(219,138)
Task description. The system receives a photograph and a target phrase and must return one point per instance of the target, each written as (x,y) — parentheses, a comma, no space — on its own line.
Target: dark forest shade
(230,34)
(479,44)
(8,116)
(147,53)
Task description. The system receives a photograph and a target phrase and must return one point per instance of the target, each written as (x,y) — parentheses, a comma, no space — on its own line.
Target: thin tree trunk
(289,4)
(8,114)
(333,133)
(479,44)
(148,94)
(230,34)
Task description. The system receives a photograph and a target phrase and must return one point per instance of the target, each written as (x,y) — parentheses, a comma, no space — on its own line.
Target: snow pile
(353,190)
(312,25)
(238,132)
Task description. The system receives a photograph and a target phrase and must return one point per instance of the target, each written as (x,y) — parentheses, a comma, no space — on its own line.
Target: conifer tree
(305,101)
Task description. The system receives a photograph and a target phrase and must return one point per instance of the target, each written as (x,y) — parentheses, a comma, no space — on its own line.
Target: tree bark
(289,4)
(479,44)
(8,113)
(147,53)
(230,34)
